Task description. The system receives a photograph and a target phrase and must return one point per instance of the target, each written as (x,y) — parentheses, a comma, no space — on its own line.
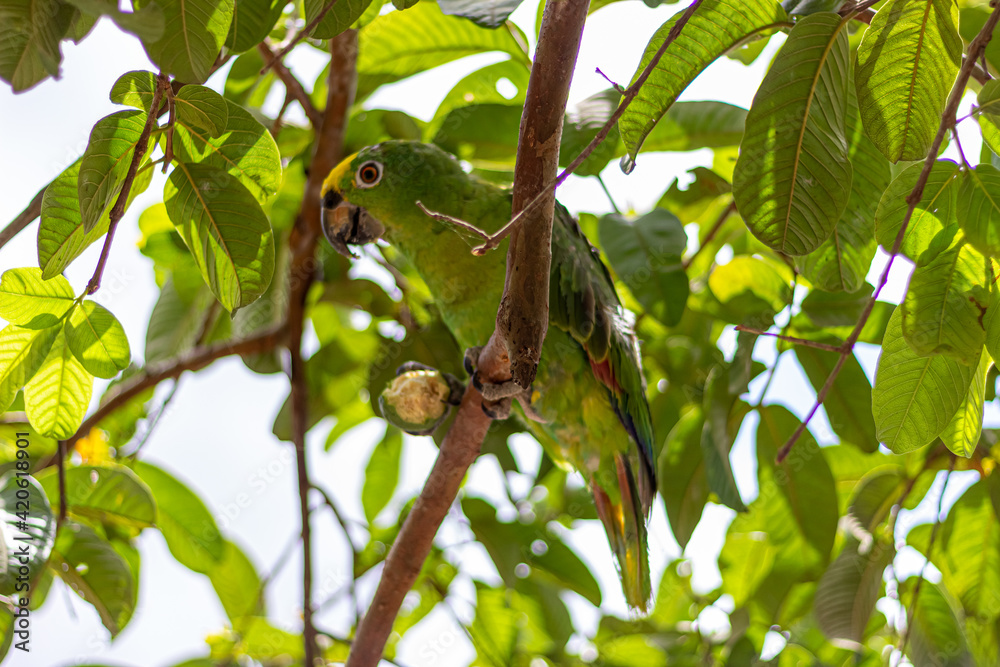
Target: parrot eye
(369,174)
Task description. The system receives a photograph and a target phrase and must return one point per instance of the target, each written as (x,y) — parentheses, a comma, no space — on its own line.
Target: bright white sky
(217,433)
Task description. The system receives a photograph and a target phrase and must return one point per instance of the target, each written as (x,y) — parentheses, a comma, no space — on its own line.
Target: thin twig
(493,240)
(977,46)
(330,128)
(168,151)
(302,34)
(927,556)
(780,336)
(24,218)
(139,152)
(607,193)
(278,120)
(791,339)
(292,85)
(716,226)
(355,554)
(192,361)
(61,463)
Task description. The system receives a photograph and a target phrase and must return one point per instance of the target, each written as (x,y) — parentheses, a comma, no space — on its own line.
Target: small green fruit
(416,401)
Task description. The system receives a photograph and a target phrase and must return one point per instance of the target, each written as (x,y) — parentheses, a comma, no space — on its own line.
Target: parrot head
(375,190)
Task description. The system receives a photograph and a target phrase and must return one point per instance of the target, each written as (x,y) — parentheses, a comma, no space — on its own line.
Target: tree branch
(192,361)
(23,219)
(791,339)
(330,127)
(522,320)
(976,48)
(302,34)
(292,85)
(139,152)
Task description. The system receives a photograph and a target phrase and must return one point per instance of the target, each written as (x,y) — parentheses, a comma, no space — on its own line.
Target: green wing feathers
(583,302)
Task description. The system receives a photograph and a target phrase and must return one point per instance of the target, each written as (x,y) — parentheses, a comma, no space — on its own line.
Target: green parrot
(587,405)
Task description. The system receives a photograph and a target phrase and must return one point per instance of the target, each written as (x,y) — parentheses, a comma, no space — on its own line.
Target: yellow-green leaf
(56,398)
(979,207)
(907,62)
(31,302)
(914,397)
(203,108)
(962,433)
(793,177)
(194,32)
(106,161)
(22,352)
(936,209)
(98,340)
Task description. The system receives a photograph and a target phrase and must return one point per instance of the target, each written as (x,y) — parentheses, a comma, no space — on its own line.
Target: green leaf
(484,134)
(481,87)
(681,476)
(252,21)
(27,530)
(967,550)
(914,397)
(488,13)
(907,62)
(841,263)
(31,302)
(22,352)
(689,126)
(202,108)
(936,636)
(749,287)
(30,31)
(194,32)
(176,322)
(718,435)
(744,562)
(793,177)
(57,397)
(646,255)
(245,150)
(937,208)
(98,340)
(146,22)
(112,494)
(803,480)
(135,89)
(185,522)
(992,324)
(106,161)
(511,544)
(962,433)
(846,595)
(97,573)
(382,473)
(61,237)
(226,230)
(989,114)
(979,207)
(237,584)
(338,19)
(836,309)
(715,27)
(946,299)
(848,403)
(494,630)
(400,44)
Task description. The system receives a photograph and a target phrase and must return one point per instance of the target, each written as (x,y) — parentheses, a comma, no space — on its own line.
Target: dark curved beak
(345,224)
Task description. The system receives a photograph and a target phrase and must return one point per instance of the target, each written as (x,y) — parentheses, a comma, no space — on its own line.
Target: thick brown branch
(192,361)
(976,48)
(118,210)
(23,219)
(330,128)
(522,320)
(458,451)
(292,85)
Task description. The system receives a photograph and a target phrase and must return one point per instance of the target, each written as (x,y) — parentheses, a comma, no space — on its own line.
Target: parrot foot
(498,397)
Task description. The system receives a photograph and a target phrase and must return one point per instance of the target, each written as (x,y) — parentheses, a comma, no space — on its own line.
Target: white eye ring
(368,175)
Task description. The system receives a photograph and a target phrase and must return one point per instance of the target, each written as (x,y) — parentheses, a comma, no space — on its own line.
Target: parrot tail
(626,528)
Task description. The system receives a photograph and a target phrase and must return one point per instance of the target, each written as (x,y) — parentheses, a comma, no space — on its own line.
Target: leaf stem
(139,152)
(302,34)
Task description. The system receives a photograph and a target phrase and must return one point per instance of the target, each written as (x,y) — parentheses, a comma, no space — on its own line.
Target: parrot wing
(583,302)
